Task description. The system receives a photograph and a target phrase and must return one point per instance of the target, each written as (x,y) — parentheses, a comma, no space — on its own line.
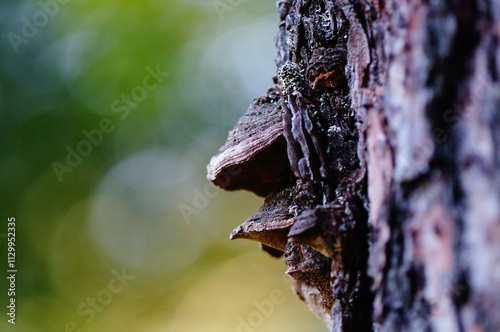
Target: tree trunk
(378,153)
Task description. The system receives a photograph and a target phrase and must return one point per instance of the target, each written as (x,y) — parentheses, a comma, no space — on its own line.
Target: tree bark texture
(377,150)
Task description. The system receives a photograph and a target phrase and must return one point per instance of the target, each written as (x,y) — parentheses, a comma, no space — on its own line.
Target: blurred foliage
(64,68)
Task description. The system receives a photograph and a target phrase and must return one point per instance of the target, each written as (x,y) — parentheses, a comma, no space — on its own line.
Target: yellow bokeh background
(169,78)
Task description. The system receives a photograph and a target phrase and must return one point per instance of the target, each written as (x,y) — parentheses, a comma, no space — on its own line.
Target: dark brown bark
(385,199)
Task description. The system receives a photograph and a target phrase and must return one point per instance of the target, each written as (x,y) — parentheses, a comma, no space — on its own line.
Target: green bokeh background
(138,203)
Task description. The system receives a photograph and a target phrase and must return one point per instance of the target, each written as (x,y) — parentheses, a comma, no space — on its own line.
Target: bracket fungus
(271,224)
(283,149)
(254,156)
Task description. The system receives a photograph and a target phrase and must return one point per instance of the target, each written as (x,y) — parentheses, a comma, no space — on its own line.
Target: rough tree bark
(378,153)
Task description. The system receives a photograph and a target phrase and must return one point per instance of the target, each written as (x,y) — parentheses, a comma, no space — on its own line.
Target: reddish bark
(388,207)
